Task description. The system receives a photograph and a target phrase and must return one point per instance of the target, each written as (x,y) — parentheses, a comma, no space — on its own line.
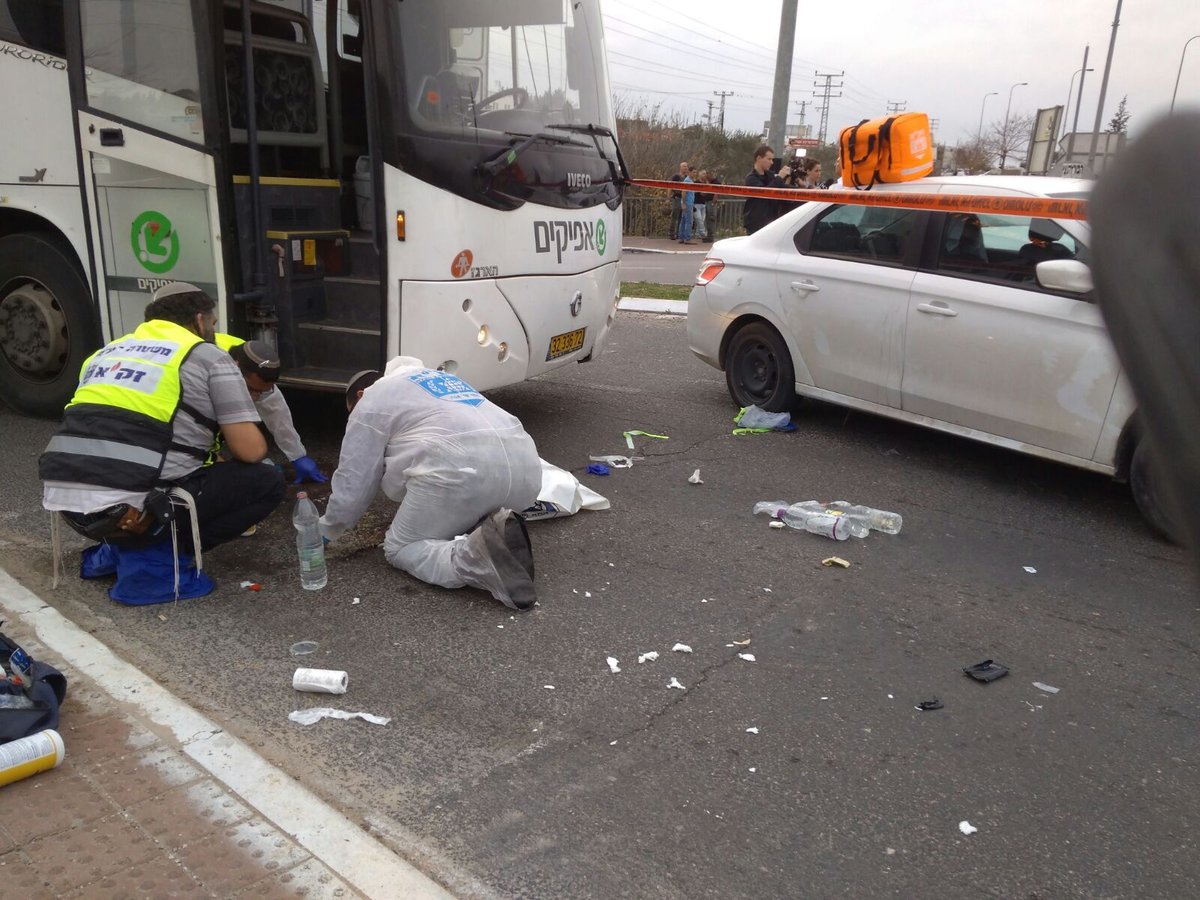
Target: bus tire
(48,324)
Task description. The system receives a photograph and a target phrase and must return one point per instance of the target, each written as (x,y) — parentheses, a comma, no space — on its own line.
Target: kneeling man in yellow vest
(145,419)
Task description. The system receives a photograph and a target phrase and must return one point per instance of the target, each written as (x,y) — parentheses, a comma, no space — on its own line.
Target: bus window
(141,63)
(37,24)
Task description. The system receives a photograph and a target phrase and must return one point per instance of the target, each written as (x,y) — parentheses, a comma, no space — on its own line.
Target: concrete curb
(648,305)
(354,856)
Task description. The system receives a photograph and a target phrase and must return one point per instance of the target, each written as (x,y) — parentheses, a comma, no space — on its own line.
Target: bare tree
(1011,142)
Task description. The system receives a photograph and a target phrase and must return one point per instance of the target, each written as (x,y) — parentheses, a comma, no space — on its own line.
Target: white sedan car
(982,326)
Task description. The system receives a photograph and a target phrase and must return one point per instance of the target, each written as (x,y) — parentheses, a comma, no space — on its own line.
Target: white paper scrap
(766,590)
(748,657)
(1030,569)
(587,593)
(355,601)
(694,478)
(317,713)
(966,827)
(775,523)
(1049,689)
(652,655)
(752,730)
(682,648)
(753,769)
(246,584)
(548,687)
(612,665)
(674,683)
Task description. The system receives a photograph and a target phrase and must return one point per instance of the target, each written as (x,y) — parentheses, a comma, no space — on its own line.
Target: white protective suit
(277,416)
(449,457)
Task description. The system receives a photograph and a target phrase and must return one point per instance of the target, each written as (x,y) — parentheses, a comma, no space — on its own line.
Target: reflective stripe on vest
(117,429)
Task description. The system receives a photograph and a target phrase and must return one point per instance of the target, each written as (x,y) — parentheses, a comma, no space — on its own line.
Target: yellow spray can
(30,755)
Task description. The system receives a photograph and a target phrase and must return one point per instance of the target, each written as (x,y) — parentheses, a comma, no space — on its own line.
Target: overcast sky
(938,56)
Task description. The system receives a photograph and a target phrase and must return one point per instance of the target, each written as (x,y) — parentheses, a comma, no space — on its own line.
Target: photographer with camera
(759,211)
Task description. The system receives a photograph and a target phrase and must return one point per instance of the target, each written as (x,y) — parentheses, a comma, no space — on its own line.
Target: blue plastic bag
(147,575)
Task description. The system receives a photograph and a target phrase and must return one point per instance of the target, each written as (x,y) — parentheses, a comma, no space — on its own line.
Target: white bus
(438,178)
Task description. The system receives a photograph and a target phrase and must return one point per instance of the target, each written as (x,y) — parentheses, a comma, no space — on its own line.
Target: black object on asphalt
(926,705)
(988,670)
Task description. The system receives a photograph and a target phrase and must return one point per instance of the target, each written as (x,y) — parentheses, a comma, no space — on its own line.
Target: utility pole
(1078,104)
(723,95)
(783,72)
(826,96)
(896,106)
(803,104)
(1112,44)
(708,118)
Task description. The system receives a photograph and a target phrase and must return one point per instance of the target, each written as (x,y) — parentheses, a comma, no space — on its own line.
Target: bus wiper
(506,158)
(621,175)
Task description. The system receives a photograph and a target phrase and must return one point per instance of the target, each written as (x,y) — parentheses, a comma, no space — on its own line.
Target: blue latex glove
(306,470)
(325,541)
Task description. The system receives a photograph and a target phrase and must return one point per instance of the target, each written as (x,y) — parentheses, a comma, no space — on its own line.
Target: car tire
(758,369)
(1145,486)
(48,324)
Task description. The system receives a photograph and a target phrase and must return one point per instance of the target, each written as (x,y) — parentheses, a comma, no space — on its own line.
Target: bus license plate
(562,344)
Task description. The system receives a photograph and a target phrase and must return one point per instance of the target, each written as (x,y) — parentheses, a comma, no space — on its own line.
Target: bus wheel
(47,324)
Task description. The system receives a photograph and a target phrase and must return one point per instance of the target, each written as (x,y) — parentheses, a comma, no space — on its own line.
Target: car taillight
(709,270)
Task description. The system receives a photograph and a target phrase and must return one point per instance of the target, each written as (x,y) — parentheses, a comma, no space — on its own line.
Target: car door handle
(805,287)
(936,309)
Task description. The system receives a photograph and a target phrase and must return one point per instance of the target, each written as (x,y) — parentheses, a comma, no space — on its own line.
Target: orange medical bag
(888,150)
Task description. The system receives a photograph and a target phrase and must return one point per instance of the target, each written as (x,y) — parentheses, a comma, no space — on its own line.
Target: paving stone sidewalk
(127,814)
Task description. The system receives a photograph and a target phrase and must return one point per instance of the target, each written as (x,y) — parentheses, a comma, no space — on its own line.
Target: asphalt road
(614,785)
(663,268)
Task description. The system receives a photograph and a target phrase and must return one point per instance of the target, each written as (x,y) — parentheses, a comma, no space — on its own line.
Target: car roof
(1033,185)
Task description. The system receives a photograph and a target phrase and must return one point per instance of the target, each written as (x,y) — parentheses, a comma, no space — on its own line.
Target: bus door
(148,175)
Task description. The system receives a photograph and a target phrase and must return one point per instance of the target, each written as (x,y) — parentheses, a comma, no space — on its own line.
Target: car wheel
(47,324)
(758,369)
(1144,484)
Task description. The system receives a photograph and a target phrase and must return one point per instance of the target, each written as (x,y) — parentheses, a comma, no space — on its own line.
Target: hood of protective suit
(402,363)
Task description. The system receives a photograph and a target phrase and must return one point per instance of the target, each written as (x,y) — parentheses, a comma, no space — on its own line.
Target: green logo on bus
(155,243)
(601,237)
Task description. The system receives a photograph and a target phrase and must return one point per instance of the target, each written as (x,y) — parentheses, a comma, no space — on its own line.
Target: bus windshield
(481,76)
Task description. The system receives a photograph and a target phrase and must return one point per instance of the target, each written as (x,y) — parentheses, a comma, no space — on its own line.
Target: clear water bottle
(875,519)
(815,522)
(309,545)
(773,508)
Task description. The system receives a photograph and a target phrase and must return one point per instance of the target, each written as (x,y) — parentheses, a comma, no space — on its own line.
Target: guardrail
(648,214)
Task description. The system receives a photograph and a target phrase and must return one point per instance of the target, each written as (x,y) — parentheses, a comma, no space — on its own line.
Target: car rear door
(988,348)
(843,290)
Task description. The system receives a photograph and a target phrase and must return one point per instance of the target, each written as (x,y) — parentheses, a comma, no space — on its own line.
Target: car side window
(1004,249)
(866,233)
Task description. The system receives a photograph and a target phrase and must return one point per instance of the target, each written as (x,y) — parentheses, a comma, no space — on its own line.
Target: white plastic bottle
(309,545)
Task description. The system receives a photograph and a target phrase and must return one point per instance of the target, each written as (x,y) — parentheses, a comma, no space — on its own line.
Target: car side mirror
(1068,275)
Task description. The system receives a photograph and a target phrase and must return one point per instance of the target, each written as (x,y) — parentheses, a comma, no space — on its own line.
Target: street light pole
(979,130)
(1070,91)
(1112,45)
(1004,133)
(1180,72)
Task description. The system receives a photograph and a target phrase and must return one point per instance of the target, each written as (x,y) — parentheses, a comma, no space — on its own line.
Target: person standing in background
(700,208)
(677,201)
(760,211)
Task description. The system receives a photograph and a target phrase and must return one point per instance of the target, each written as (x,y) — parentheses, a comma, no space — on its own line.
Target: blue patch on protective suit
(447,387)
